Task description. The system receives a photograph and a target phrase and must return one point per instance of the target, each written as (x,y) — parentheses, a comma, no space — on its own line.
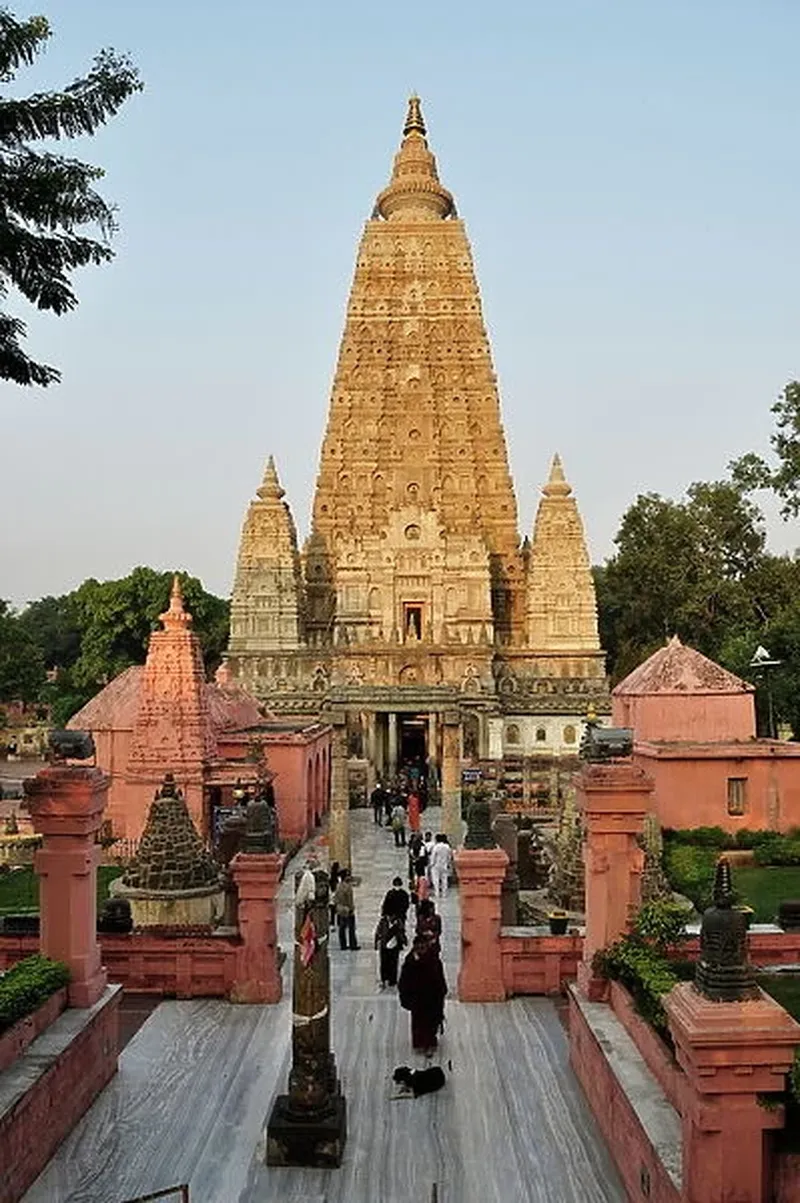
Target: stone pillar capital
(67,800)
(257,874)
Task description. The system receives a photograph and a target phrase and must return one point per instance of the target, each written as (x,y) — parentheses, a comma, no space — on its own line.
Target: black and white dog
(419,1081)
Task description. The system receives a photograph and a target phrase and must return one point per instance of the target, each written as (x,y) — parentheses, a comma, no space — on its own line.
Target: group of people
(421,983)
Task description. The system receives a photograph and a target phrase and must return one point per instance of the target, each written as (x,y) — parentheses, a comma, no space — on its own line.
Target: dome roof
(677,669)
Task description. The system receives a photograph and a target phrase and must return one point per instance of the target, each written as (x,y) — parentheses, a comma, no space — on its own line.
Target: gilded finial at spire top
(557,485)
(270,485)
(414,119)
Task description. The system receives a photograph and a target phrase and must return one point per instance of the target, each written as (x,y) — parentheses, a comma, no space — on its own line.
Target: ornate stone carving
(723,973)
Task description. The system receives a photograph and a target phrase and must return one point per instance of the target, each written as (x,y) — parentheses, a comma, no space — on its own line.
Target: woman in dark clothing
(422,989)
(429,924)
(333,881)
(390,937)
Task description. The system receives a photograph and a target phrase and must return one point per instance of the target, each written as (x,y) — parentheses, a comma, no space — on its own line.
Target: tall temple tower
(414,606)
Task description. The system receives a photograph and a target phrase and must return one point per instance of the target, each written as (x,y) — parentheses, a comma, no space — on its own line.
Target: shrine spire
(415,122)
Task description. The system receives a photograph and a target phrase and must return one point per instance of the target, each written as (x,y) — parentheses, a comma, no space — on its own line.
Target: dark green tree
(681,567)
(48,201)
(21,664)
(752,472)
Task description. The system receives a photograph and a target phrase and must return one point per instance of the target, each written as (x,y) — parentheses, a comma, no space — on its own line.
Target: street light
(762,662)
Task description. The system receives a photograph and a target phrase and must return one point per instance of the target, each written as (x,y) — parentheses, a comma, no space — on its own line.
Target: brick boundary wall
(16,1039)
(59,1076)
(634,1156)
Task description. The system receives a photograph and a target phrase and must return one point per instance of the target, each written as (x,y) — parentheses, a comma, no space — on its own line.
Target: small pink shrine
(164,716)
(695,735)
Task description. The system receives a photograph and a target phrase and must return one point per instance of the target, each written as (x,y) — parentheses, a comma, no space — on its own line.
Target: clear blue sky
(628,172)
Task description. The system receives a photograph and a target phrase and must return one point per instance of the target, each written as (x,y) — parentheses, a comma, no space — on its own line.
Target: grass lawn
(691,872)
(765,888)
(784,988)
(19,891)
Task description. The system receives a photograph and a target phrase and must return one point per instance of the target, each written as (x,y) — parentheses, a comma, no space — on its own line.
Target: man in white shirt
(441,859)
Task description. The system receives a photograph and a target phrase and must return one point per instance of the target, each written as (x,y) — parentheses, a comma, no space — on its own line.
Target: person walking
(415,851)
(396,901)
(429,924)
(390,796)
(344,904)
(334,873)
(413,811)
(390,938)
(422,989)
(399,826)
(441,862)
(376,799)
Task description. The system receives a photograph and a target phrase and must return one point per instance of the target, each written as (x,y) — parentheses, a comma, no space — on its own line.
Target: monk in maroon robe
(422,989)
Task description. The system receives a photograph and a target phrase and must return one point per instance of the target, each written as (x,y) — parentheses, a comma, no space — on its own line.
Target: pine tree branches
(45,199)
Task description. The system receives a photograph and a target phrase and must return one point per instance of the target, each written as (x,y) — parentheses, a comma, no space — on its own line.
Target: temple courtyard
(196,1082)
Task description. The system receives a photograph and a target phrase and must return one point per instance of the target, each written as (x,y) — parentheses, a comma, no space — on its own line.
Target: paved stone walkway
(197,1081)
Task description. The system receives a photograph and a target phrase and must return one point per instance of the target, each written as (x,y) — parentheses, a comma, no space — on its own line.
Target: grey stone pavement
(196,1083)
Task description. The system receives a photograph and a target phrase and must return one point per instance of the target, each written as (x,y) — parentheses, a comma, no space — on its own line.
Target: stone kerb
(257,876)
(480,874)
(66,804)
(731,1052)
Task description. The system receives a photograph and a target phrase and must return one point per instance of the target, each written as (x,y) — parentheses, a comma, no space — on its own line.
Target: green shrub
(644,972)
(26,985)
(699,837)
(691,872)
(661,924)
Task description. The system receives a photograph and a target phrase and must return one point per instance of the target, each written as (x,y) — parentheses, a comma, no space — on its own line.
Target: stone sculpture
(723,973)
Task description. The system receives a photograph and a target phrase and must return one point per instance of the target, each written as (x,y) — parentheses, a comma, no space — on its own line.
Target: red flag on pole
(308,941)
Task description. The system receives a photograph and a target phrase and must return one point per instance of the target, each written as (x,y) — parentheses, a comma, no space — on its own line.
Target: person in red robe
(422,990)
(413,811)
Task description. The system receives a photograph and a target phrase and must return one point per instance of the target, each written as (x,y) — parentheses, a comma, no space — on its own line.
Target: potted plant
(558,920)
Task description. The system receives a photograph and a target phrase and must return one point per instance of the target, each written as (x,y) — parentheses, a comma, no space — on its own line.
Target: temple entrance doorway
(414,741)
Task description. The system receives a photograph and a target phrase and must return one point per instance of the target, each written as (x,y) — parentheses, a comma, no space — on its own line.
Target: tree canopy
(48,201)
(85,638)
(783,478)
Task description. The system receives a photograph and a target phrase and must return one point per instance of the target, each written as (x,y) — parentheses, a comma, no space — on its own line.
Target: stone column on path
(66,803)
(734,1044)
(451,777)
(481,868)
(308,1126)
(339,824)
(391,719)
(614,798)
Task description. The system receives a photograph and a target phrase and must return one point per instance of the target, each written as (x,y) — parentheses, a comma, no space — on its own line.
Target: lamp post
(762,662)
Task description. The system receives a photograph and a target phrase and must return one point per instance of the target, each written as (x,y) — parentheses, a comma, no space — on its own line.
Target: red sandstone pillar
(66,804)
(614,799)
(480,877)
(730,1052)
(257,977)
(451,777)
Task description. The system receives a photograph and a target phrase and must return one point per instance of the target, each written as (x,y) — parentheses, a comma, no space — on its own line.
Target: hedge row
(768,847)
(26,985)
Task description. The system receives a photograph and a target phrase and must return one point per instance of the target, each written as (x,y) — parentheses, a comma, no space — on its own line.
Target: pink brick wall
(33,1127)
(627,1141)
(539,964)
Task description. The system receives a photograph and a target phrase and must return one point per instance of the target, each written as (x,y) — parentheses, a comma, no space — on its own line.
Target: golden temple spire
(557,484)
(415,123)
(414,192)
(270,489)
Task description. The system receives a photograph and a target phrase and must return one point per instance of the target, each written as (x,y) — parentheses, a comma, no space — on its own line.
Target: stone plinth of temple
(731,1053)
(66,804)
(256,876)
(614,799)
(480,874)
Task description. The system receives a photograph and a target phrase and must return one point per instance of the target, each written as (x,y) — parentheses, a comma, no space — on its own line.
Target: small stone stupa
(723,973)
(172,881)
